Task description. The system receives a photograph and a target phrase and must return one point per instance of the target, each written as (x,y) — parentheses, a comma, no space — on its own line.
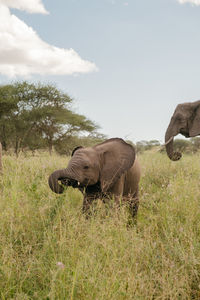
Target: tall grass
(48,250)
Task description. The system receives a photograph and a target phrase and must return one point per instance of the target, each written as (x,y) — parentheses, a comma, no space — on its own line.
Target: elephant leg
(117,191)
(134,207)
(134,203)
(87,201)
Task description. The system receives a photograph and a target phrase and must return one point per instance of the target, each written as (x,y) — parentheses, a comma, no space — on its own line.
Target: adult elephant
(185,120)
(102,171)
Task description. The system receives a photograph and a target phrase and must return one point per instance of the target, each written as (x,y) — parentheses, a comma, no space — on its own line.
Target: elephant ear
(116,157)
(74,150)
(194,129)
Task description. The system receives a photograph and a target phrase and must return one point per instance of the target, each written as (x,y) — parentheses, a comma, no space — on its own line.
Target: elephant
(106,170)
(186,121)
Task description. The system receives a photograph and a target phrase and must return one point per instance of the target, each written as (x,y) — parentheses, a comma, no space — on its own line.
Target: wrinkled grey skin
(185,120)
(105,170)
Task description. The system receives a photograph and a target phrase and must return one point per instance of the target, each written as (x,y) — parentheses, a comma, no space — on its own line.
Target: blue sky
(131,61)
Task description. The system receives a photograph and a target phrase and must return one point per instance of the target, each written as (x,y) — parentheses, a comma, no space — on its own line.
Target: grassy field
(48,250)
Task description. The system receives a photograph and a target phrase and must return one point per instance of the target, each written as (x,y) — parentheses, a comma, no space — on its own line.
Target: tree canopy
(34,116)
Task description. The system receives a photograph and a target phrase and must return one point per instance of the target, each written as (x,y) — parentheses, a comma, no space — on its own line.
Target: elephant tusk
(79,183)
(162,146)
(171,138)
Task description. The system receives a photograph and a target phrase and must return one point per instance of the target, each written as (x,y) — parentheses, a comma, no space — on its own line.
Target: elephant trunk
(53,181)
(169,140)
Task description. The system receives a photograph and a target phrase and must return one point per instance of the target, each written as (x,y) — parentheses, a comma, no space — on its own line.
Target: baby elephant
(106,170)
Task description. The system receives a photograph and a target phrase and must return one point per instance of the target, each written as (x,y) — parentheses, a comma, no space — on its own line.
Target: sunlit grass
(48,250)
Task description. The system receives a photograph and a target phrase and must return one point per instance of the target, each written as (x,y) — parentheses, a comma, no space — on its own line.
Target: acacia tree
(7,104)
(39,111)
(1,158)
(57,123)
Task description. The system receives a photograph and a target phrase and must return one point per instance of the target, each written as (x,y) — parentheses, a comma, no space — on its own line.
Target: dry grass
(48,250)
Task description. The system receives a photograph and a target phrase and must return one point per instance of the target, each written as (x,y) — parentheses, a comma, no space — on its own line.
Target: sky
(126,63)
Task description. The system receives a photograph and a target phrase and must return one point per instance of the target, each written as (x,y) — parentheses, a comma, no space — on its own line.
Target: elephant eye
(86,167)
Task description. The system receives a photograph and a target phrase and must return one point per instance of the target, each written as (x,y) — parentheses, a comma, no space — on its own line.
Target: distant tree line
(37,116)
(143,145)
(191,145)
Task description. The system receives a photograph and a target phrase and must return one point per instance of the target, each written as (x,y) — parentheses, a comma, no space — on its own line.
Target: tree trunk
(1,167)
(50,146)
(50,149)
(3,143)
(17,147)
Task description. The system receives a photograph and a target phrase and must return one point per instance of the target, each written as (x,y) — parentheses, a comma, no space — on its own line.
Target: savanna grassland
(48,250)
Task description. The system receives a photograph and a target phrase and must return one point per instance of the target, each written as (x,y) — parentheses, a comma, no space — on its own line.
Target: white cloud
(23,53)
(32,6)
(195,2)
